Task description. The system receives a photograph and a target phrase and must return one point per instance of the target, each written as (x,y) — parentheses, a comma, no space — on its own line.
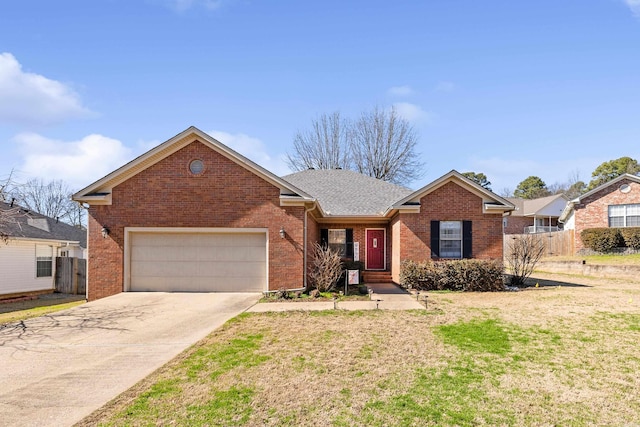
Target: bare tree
(380,144)
(506,192)
(384,146)
(52,199)
(10,212)
(326,268)
(524,253)
(325,146)
(7,187)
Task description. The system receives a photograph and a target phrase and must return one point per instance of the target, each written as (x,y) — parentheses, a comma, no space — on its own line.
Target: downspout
(305,255)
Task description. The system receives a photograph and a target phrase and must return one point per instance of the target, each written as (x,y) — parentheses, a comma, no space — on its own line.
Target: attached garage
(196,260)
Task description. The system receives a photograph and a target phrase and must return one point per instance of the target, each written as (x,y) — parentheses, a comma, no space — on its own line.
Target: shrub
(631,236)
(326,268)
(523,254)
(601,239)
(459,275)
(282,293)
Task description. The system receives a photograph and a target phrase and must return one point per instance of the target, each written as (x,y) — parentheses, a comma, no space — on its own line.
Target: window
(196,166)
(338,241)
(450,239)
(44,261)
(624,215)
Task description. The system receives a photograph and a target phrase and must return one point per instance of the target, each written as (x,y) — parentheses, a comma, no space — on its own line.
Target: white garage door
(203,262)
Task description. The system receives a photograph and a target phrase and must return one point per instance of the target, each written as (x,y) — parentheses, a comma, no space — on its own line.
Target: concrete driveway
(56,369)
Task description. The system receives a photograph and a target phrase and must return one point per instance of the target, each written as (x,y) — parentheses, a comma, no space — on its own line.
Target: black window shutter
(324,237)
(435,239)
(466,239)
(349,233)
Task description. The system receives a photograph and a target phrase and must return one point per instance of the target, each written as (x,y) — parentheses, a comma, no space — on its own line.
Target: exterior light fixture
(282,232)
(104,232)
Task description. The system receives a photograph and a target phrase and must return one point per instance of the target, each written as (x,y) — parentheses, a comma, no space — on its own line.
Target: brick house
(193,215)
(613,204)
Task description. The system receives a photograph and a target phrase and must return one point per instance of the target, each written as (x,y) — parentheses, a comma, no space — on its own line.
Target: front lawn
(558,354)
(604,259)
(44,304)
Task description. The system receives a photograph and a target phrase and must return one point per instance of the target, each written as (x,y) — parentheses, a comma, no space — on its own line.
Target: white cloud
(634,5)
(445,87)
(78,163)
(412,112)
(28,98)
(254,149)
(400,91)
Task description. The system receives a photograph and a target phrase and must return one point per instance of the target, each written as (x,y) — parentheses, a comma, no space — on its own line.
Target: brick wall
(516,224)
(359,236)
(168,195)
(450,203)
(593,211)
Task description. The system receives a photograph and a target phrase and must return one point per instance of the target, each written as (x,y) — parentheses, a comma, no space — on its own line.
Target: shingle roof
(345,192)
(32,225)
(525,207)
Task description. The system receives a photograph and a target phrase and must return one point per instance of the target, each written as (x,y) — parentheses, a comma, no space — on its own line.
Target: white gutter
(304,239)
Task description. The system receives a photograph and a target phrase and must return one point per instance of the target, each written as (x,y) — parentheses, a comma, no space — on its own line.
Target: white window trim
(50,256)
(624,216)
(461,240)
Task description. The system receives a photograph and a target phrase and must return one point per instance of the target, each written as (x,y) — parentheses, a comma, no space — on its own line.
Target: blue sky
(507,88)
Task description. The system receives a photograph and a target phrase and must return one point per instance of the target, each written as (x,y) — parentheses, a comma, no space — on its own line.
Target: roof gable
(601,187)
(542,206)
(99,192)
(491,201)
(566,213)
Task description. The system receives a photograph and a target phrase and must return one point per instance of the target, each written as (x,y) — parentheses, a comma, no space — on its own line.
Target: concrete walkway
(57,369)
(385,296)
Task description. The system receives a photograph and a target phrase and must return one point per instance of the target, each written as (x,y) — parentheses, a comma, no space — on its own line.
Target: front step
(377,277)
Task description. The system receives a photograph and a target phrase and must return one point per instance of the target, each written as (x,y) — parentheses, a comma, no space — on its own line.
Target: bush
(463,275)
(326,268)
(602,239)
(282,293)
(523,254)
(631,236)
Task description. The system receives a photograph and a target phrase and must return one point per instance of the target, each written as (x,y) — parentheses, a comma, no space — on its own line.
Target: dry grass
(44,304)
(562,353)
(605,259)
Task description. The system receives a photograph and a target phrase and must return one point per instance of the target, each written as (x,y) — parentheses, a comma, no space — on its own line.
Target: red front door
(375,250)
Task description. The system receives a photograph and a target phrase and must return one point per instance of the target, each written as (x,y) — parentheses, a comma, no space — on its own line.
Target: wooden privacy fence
(556,243)
(71,275)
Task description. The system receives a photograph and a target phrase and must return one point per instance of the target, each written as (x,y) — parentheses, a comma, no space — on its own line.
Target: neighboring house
(535,215)
(27,257)
(193,215)
(613,204)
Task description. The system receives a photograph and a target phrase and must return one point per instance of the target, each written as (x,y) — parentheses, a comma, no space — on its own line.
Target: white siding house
(30,244)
